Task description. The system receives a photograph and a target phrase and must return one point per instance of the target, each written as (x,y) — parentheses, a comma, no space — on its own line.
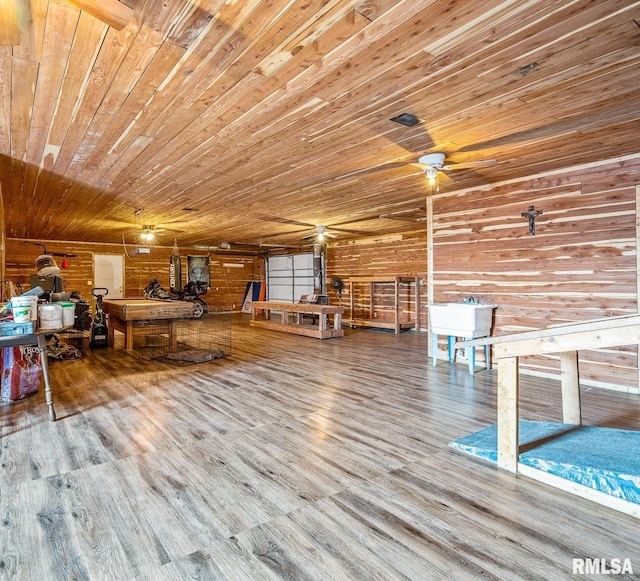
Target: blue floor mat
(603,459)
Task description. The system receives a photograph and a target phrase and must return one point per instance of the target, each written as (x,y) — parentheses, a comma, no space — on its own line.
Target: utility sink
(461,319)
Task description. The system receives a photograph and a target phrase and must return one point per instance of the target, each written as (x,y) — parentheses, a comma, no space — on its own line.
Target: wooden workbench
(565,340)
(127,315)
(261,317)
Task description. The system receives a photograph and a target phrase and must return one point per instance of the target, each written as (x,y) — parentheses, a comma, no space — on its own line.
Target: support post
(508,388)
(570,381)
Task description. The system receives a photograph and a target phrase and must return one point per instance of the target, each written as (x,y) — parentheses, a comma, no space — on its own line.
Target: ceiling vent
(406,119)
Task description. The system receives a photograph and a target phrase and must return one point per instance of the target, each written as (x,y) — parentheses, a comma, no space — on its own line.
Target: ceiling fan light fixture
(147,233)
(435,160)
(432,178)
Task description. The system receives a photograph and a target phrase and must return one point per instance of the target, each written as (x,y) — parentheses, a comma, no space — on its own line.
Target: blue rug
(604,459)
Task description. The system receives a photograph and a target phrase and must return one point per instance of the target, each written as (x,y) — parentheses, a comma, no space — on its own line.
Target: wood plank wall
(581,264)
(228,284)
(396,255)
(2,244)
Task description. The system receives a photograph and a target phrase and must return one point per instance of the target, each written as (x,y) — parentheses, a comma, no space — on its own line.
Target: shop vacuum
(99,331)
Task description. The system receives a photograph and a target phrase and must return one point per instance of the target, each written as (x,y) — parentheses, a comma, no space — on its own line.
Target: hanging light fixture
(432,178)
(320,233)
(147,233)
(434,163)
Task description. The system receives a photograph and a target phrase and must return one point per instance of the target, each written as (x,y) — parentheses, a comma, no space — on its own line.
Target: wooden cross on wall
(531,214)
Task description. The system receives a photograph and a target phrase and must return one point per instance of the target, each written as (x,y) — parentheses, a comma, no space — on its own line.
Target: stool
(451,352)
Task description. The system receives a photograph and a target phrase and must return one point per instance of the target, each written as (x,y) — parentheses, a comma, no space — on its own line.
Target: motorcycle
(190,293)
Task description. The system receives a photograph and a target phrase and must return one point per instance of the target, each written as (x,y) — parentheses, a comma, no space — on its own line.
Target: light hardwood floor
(292,459)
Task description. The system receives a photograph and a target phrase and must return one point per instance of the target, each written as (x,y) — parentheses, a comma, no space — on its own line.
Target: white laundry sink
(461,319)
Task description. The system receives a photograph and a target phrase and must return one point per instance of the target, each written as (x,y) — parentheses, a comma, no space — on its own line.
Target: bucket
(21,307)
(68,313)
(50,316)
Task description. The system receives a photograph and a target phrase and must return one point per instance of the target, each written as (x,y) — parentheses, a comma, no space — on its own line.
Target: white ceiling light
(433,163)
(435,160)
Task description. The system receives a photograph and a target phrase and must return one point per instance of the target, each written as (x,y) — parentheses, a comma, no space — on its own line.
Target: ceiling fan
(321,234)
(143,228)
(434,166)
(148,232)
(318,232)
(111,12)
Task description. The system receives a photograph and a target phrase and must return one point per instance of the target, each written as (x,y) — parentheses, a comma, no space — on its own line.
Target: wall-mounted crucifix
(531,214)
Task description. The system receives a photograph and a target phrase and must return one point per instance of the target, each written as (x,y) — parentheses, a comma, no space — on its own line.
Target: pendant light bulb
(147,233)
(432,178)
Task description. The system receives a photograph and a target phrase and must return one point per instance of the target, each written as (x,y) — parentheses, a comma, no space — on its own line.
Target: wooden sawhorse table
(295,324)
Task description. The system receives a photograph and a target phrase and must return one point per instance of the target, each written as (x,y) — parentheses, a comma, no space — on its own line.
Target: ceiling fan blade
(415,215)
(470,164)
(9,31)
(444,179)
(112,12)
(284,221)
(347,231)
(316,236)
(375,169)
(280,234)
(333,225)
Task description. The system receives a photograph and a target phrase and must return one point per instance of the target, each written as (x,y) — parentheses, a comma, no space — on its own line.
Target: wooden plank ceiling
(252,121)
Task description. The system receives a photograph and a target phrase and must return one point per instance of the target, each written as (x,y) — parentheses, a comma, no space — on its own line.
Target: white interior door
(108,272)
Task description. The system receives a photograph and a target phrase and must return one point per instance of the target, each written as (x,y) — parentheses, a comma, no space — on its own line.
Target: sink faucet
(470,301)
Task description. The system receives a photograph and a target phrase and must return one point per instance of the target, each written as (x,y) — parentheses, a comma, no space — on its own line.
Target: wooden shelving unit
(396,324)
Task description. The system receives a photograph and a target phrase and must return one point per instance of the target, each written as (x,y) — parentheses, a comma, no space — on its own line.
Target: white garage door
(289,277)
